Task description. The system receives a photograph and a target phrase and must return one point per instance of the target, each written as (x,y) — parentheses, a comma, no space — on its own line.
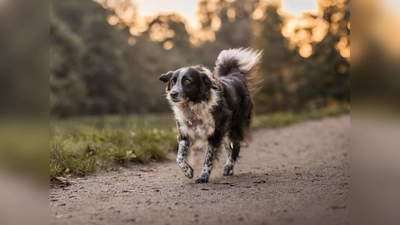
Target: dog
(214,110)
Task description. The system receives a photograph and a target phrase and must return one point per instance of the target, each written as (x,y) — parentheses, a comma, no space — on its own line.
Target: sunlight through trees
(106,57)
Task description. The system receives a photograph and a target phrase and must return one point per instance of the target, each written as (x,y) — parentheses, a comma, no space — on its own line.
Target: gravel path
(299,174)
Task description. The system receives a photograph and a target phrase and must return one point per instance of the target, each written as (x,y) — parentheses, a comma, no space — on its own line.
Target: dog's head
(189,84)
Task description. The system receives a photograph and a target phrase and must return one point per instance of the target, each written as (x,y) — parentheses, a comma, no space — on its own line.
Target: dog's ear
(166,76)
(208,82)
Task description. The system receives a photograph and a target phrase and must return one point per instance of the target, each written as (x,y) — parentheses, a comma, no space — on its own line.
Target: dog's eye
(188,81)
(172,82)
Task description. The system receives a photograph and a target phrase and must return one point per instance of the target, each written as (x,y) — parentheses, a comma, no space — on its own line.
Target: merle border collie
(213,110)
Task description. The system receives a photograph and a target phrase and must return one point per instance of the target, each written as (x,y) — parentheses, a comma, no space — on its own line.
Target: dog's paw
(202,179)
(188,171)
(228,170)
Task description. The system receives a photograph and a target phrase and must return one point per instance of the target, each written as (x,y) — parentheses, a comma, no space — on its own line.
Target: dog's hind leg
(234,148)
(181,158)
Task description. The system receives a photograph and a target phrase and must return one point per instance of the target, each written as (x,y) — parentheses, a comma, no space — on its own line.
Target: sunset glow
(188,8)
(386,28)
(187,11)
(168,45)
(295,30)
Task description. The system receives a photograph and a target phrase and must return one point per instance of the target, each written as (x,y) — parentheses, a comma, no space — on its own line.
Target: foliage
(67,91)
(326,73)
(274,95)
(109,65)
(106,58)
(225,24)
(24,58)
(309,73)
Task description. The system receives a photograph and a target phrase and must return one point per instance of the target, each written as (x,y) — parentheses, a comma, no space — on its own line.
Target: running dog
(214,110)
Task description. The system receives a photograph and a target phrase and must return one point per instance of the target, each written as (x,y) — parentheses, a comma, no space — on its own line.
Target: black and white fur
(213,110)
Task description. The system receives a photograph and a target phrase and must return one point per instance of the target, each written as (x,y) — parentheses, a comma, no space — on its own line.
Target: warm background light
(168,45)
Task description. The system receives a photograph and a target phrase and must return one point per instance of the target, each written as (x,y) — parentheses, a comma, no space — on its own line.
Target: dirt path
(292,175)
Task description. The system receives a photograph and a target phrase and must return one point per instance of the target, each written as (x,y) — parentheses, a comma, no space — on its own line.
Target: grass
(83,145)
(23,145)
(274,120)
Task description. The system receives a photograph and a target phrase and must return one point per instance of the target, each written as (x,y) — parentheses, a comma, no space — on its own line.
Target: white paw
(228,170)
(188,171)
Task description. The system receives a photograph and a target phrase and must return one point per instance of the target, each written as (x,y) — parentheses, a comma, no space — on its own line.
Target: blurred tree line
(24,58)
(106,59)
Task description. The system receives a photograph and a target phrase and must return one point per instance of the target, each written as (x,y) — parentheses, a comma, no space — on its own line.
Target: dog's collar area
(191,120)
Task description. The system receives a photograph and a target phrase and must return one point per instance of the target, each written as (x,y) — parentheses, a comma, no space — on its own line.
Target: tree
(105,72)
(67,89)
(224,25)
(106,58)
(274,95)
(326,77)
(306,68)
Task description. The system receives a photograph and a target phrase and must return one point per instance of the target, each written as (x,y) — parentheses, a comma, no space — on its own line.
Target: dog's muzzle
(175,97)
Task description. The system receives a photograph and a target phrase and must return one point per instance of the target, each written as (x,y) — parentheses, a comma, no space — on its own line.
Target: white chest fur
(196,122)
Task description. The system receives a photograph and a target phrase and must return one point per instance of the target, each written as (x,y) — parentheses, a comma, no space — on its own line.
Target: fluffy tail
(246,61)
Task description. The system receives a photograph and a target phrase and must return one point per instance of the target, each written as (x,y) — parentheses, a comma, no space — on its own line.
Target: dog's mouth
(176,99)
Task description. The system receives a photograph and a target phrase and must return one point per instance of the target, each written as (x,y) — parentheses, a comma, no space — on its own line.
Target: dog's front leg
(181,158)
(208,163)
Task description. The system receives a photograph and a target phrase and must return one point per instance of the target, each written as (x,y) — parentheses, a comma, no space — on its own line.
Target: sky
(187,8)
(297,7)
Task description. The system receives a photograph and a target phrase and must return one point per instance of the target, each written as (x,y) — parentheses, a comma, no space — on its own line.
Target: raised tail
(246,61)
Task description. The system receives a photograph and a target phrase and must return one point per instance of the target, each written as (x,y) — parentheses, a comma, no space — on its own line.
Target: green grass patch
(23,146)
(274,120)
(82,145)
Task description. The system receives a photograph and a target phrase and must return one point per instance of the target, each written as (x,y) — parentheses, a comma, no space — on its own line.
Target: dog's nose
(174,94)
